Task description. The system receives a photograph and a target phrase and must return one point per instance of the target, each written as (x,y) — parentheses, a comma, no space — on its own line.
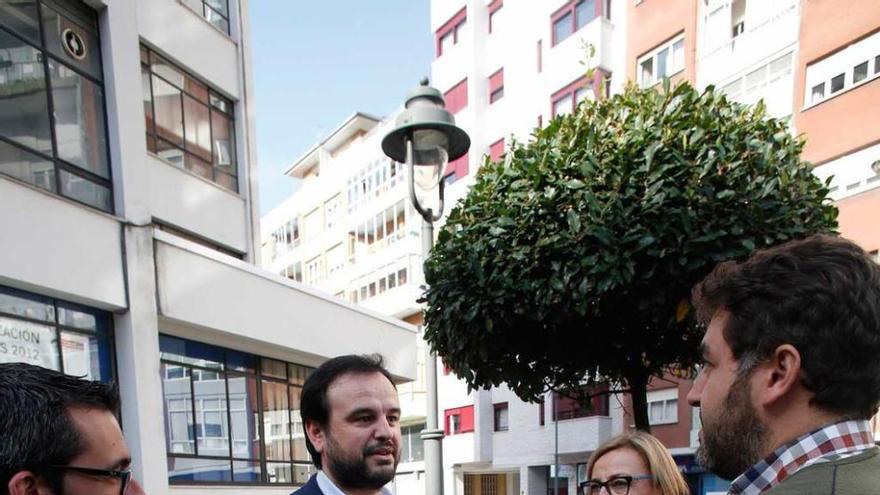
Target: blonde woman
(633,463)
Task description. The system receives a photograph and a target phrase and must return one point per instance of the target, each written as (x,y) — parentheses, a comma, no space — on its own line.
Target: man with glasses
(791,370)
(59,435)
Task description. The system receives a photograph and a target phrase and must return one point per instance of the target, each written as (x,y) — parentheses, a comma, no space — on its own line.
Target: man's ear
(779,375)
(315,431)
(26,483)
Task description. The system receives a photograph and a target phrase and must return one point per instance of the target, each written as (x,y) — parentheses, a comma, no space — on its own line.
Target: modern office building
(129,228)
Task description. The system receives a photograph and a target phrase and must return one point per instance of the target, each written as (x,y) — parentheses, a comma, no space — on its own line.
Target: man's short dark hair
(313,401)
(35,428)
(821,295)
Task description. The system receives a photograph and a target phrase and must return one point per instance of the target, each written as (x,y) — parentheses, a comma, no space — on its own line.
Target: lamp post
(426,138)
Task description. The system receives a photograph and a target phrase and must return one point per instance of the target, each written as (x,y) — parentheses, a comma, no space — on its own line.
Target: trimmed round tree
(569,264)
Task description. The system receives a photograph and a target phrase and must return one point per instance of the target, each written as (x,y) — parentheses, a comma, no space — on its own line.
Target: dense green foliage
(571,261)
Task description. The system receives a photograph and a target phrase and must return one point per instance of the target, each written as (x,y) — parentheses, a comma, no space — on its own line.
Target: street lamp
(426,139)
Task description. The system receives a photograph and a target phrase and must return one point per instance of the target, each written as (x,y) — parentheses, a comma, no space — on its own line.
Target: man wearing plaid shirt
(791,370)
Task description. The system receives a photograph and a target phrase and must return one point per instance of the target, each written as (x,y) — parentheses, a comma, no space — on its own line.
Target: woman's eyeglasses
(616,485)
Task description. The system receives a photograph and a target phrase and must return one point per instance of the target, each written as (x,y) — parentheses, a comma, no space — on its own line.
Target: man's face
(103,448)
(732,436)
(360,446)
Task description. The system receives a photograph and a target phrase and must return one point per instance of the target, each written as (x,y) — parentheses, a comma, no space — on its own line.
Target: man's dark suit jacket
(310,488)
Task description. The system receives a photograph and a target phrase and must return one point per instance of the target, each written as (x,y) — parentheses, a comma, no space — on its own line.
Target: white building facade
(351,232)
(129,234)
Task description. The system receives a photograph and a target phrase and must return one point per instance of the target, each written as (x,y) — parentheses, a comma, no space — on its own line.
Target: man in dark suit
(791,370)
(351,415)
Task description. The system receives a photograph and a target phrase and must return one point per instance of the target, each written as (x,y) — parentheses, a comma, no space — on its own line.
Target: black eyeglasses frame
(124,476)
(587,486)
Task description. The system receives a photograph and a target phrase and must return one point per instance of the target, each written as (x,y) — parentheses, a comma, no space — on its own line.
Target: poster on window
(77,355)
(28,342)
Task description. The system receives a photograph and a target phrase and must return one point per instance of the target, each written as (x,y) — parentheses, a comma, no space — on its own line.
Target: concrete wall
(56,247)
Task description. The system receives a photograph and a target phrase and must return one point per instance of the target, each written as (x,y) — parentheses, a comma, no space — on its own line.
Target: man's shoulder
(310,488)
(855,475)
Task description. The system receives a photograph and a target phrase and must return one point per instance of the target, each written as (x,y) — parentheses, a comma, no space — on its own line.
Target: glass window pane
(646,76)
(79,120)
(562,28)
(298,374)
(220,103)
(219,5)
(218,20)
(182,470)
(21,16)
(279,472)
(190,352)
(196,89)
(169,111)
(274,368)
(302,473)
(24,114)
(297,431)
(817,93)
(416,445)
(212,428)
(84,190)
(80,355)
(276,421)
(147,92)
(21,305)
(168,71)
(224,146)
(28,342)
(169,152)
(197,127)
(25,166)
(877,64)
(240,361)
(246,471)
(244,412)
(562,106)
(177,397)
(198,166)
(860,71)
(71,42)
(837,83)
(662,56)
(677,56)
(226,180)
(585,12)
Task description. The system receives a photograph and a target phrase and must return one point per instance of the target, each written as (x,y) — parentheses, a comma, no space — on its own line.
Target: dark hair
(313,401)
(821,295)
(35,429)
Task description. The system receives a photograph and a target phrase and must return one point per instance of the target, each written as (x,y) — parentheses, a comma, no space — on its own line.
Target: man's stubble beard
(354,472)
(733,440)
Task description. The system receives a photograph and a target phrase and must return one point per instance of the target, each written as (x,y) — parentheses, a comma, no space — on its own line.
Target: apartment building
(351,232)
(129,233)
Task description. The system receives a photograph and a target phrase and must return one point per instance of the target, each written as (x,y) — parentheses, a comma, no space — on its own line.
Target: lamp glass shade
(429,160)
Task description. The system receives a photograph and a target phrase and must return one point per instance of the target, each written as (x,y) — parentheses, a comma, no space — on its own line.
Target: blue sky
(316,63)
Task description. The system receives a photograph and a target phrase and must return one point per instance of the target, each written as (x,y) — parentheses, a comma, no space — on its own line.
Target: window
(336,259)
(496,86)
(315,270)
(459,420)
(450,32)
(285,238)
(332,212)
(294,272)
(228,414)
(188,124)
(215,11)
(384,228)
(53,134)
(500,419)
(565,100)
(457,97)
(496,150)
(571,17)
(54,334)
(381,280)
(663,406)
(837,83)
(664,61)
(540,61)
(541,411)
(493,9)
(456,169)
(737,18)
(373,180)
(860,72)
(411,445)
(843,70)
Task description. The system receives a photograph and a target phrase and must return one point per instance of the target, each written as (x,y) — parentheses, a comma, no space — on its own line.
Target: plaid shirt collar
(831,442)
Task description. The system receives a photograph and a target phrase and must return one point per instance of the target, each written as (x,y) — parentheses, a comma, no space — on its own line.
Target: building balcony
(768,35)
(558,66)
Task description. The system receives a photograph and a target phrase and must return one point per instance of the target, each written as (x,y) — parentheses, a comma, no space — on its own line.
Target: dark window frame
(570,8)
(496,409)
(46,56)
(259,377)
(153,134)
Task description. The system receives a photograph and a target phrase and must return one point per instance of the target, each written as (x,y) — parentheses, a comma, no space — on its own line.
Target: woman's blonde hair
(666,475)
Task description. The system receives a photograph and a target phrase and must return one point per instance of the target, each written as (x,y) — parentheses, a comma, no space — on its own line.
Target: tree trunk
(638,385)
